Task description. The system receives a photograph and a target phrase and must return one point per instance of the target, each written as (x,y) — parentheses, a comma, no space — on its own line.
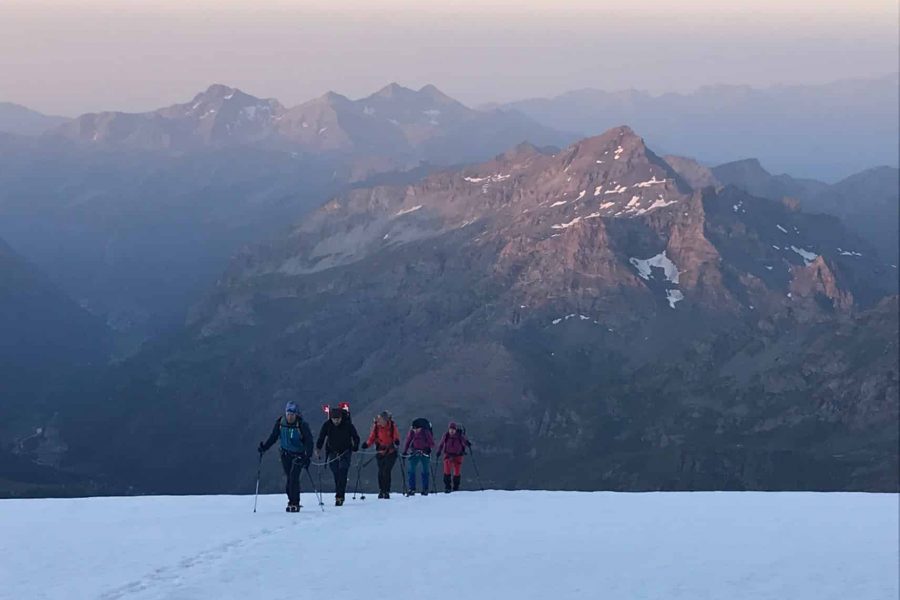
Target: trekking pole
(475,466)
(403,474)
(359,466)
(258,472)
(362,494)
(315,490)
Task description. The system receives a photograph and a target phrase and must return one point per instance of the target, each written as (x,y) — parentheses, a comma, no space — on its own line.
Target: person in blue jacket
(296,441)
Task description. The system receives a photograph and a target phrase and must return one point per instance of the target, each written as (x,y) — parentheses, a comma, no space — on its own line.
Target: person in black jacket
(343,440)
(296,441)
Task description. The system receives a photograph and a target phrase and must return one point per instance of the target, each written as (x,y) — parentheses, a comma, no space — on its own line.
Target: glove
(317,454)
(365,446)
(261,448)
(438,454)
(397,443)
(306,461)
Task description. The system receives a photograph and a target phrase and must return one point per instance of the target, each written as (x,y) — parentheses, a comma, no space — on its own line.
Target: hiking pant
(419,459)
(385,467)
(292,464)
(453,465)
(340,468)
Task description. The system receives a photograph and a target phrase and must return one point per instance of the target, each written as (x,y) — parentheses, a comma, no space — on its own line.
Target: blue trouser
(418,459)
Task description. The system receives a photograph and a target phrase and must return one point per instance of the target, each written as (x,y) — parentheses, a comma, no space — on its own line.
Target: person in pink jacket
(453,445)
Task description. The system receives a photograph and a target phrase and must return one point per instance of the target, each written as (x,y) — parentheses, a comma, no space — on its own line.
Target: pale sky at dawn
(68,57)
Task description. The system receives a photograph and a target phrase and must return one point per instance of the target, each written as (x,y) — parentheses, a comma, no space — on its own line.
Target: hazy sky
(73,56)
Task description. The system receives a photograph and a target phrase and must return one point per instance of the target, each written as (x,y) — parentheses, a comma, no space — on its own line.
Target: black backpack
(422,422)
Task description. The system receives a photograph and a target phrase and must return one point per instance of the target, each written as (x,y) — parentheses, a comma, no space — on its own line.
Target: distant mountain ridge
(20,120)
(869,201)
(824,131)
(395,124)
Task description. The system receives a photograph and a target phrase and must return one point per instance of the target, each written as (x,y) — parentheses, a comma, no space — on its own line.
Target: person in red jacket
(453,445)
(386,438)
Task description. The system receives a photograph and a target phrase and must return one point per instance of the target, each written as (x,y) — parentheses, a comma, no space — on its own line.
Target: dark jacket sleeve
(354,438)
(323,433)
(273,436)
(307,437)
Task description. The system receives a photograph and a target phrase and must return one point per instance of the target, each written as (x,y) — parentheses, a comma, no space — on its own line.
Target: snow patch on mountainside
(808,256)
(674,297)
(406,211)
(644,266)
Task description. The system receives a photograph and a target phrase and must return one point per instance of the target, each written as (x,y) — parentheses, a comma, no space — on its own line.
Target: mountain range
(666,324)
(583,305)
(868,202)
(134,215)
(825,132)
(395,127)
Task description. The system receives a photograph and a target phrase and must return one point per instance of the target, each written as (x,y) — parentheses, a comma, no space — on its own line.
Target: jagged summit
(217,91)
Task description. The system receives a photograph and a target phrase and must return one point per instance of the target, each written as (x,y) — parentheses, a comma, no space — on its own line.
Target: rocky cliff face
(585,307)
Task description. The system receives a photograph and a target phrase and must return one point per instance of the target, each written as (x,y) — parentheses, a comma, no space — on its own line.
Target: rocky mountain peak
(394,91)
(748,169)
(217,91)
(435,95)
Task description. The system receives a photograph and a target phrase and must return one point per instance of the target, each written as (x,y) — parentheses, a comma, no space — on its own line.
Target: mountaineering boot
(411,492)
(292,508)
(380,495)
(339,501)
(456,480)
(446,484)
(387,495)
(424,492)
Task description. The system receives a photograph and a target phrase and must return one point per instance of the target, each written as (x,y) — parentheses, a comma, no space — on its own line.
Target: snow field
(472,545)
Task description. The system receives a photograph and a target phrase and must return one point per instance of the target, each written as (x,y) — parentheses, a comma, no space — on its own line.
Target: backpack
(461,431)
(422,422)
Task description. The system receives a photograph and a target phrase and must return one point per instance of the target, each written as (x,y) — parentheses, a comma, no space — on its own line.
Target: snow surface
(491,178)
(808,256)
(661,261)
(558,203)
(658,203)
(497,545)
(782,229)
(652,181)
(406,211)
(848,252)
(566,225)
(674,297)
